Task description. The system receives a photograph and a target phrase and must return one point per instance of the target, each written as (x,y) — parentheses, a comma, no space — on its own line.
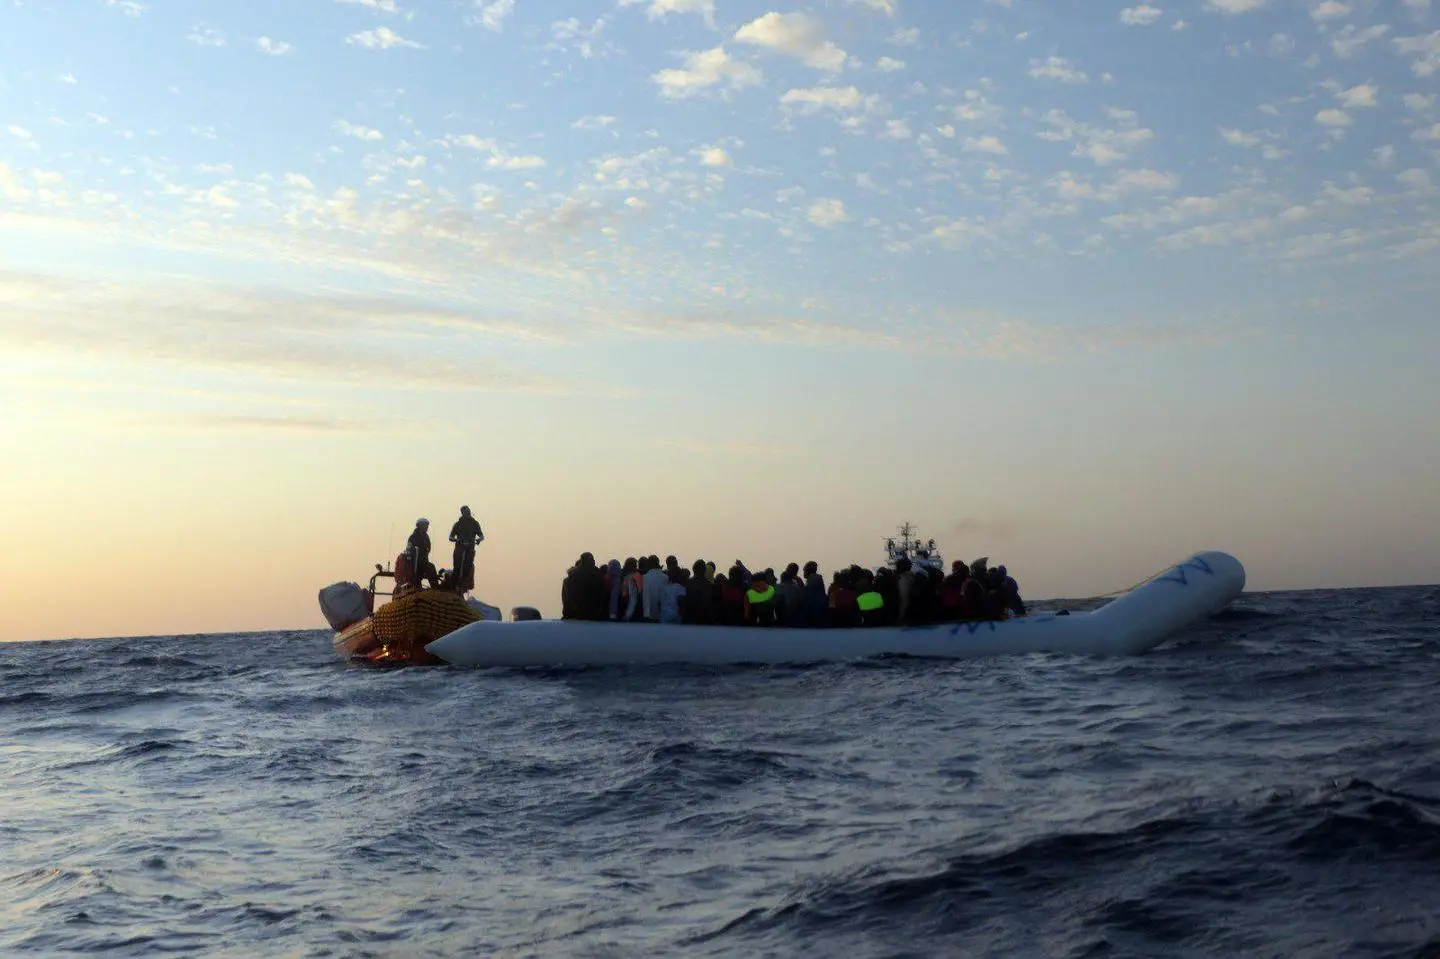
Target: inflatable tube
(1132,623)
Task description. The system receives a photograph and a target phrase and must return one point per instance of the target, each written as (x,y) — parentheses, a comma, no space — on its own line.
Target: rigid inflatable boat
(397,632)
(1136,621)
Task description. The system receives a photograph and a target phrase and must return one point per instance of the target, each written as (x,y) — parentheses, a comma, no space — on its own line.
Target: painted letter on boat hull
(1140,619)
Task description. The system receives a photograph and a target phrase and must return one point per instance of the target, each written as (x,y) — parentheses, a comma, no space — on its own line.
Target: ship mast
(910,546)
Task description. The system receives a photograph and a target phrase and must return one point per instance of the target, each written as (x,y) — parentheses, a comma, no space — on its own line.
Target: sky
(1080,286)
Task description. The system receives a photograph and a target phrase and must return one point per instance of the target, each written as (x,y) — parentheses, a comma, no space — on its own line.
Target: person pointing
(465,534)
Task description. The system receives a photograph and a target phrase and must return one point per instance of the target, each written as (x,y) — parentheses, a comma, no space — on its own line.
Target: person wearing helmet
(418,548)
(465,534)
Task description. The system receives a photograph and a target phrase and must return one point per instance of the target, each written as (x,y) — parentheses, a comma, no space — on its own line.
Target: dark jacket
(583,594)
(465,530)
(419,547)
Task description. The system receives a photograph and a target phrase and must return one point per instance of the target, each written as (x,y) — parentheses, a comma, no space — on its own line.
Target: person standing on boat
(418,548)
(465,534)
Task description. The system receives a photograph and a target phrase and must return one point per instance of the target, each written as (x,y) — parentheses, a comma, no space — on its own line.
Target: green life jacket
(870,602)
(756,598)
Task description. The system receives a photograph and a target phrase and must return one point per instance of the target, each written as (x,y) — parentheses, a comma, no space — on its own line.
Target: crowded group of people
(903,594)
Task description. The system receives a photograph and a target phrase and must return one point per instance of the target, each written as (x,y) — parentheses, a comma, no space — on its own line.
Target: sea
(1265,784)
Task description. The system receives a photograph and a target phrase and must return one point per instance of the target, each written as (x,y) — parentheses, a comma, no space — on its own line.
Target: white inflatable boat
(1142,618)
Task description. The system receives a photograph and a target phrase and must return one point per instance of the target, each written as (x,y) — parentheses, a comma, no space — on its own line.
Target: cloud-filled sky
(1084,286)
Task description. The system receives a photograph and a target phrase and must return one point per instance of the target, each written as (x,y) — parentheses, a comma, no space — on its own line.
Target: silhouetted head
(464,511)
(632,565)
(422,523)
(902,565)
(811,568)
(587,560)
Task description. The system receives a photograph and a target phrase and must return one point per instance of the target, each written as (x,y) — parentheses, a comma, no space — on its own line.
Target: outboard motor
(344,605)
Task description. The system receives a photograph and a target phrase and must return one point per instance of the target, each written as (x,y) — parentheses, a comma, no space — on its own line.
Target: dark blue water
(1265,785)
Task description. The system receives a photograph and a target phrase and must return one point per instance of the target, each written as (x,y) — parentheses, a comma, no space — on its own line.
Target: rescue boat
(398,631)
(1132,623)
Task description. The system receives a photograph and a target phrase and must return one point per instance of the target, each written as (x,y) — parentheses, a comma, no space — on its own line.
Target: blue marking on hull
(1177,575)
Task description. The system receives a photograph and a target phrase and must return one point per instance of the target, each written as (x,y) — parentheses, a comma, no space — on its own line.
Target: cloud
(1349,39)
(906,36)
(1333,118)
(379,6)
(1419,102)
(704,70)
(1141,16)
(1057,68)
(889,65)
(345,128)
(1101,145)
(275,48)
(798,34)
(501,161)
(826,98)
(381,38)
(1234,6)
(1149,180)
(204,36)
(299,181)
(827,213)
(1358,97)
(493,15)
(985,144)
(887,7)
(660,9)
(127,7)
(1416,179)
(377,343)
(20,133)
(1329,10)
(715,156)
(1426,51)
(593,123)
(206,422)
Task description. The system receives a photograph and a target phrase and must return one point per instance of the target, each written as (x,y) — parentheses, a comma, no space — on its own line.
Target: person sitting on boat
(869,601)
(1010,592)
(614,580)
(791,599)
(908,592)
(672,602)
(700,596)
(817,603)
(417,548)
(760,602)
(583,594)
(843,611)
(465,534)
(631,585)
(952,592)
(653,584)
(732,597)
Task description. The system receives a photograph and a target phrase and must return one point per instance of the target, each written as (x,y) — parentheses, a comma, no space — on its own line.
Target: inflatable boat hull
(1132,623)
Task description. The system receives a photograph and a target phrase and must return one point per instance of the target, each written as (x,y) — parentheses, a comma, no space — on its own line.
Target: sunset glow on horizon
(1082,287)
